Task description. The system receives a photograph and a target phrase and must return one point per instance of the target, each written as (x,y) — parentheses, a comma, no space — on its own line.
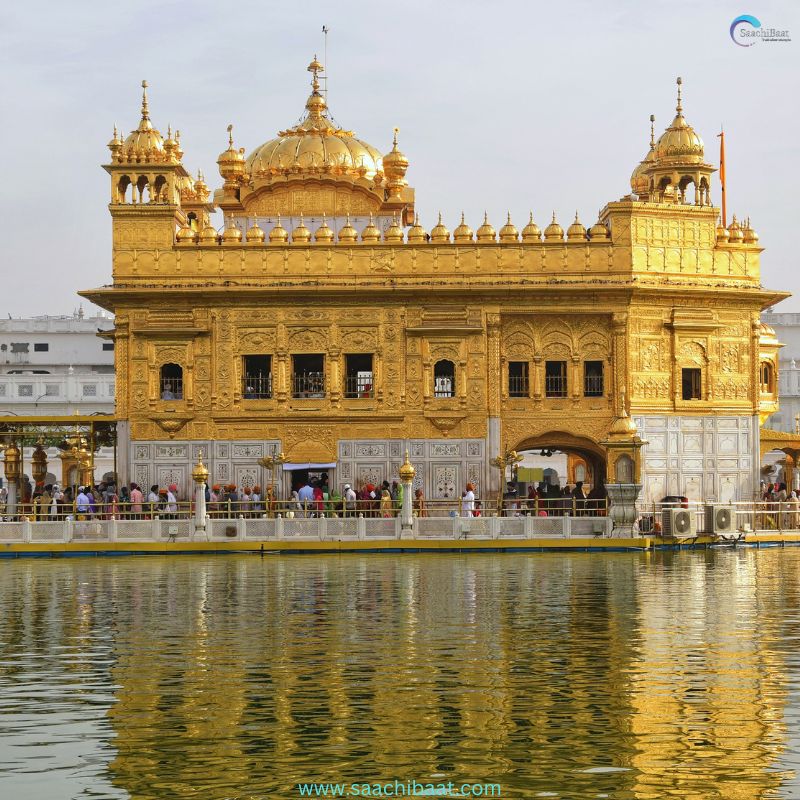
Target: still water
(666,675)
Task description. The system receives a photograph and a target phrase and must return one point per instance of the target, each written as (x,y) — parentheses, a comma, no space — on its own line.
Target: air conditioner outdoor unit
(678,522)
(720,519)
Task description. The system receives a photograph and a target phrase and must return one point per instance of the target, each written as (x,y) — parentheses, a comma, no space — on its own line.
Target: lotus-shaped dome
(316,145)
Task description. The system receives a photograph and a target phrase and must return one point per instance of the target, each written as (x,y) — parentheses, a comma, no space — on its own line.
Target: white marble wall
(702,458)
(444,466)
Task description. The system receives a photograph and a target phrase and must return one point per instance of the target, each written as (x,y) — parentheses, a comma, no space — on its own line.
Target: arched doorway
(556,459)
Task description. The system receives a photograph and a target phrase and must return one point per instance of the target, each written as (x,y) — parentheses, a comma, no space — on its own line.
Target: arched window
(767,373)
(171,383)
(444,379)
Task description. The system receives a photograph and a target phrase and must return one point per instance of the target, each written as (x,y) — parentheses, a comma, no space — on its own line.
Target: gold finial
(396,131)
(230,135)
(116,132)
(554,216)
(407,470)
(679,107)
(652,130)
(145,112)
(576,217)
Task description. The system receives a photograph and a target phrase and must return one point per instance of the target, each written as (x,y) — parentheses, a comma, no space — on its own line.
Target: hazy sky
(501,105)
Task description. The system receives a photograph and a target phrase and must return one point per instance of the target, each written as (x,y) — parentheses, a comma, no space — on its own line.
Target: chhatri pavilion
(325,323)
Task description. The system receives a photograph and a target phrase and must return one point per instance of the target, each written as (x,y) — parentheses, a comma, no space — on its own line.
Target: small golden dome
(170,144)
(231,234)
(553,231)
(370,233)
(115,145)
(200,471)
(439,233)
(679,142)
(395,163)
(301,234)
(463,233)
(767,331)
(623,425)
(722,232)
(416,233)
(315,66)
(323,234)
(735,231)
(407,470)
(145,143)
(254,233)
(599,232)
(209,234)
(279,234)
(749,235)
(186,235)
(486,233)
(508,233)
(576,232)
(394,233)
(200,186)
(348,233)
(231,162)
(531,232)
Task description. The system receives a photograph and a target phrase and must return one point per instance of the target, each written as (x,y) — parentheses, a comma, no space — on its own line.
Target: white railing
(298,529)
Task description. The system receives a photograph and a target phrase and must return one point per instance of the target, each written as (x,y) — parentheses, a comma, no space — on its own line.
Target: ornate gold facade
(658,294)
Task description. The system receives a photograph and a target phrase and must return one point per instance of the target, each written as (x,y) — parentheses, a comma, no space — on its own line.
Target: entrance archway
(582,454)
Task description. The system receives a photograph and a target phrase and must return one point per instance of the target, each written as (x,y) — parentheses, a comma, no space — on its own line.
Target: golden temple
(326,322)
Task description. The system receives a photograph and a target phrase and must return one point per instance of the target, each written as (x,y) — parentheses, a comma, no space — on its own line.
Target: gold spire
(463,233)
(416,233)
(439,233)
(394,233)
(509,233)
(323,234)
(652,131)
(679,107)
(348,233)
(145,110)
(371,233)
(531,232)
(301,234)
(407,470)
(231,234)
(486,233)
(254,233)
(279,234)
(576,232)
(553,231)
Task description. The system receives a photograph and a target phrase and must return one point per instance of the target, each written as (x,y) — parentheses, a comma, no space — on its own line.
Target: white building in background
(787,327)
(57,366)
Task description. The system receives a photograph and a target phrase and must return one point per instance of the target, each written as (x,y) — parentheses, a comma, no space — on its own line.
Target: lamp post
(200,477)
(407,473)
(272,462)
(12,469)
(39,464)
(508,458)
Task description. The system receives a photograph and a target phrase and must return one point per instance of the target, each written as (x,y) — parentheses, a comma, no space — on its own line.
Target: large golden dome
(316,145)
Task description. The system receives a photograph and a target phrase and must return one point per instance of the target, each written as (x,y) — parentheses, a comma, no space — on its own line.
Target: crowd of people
(781,507)
(308,498)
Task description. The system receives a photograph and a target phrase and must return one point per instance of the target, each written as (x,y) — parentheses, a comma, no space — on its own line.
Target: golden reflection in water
(579,675)
(707,685)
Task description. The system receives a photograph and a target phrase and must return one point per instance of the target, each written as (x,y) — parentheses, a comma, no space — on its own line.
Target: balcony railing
(172,388)
(555,385)
(593,385)
(308,384)
(517,385)
(359,386)
(257,387)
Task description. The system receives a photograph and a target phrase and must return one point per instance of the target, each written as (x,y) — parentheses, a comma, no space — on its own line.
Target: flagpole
(721,135)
